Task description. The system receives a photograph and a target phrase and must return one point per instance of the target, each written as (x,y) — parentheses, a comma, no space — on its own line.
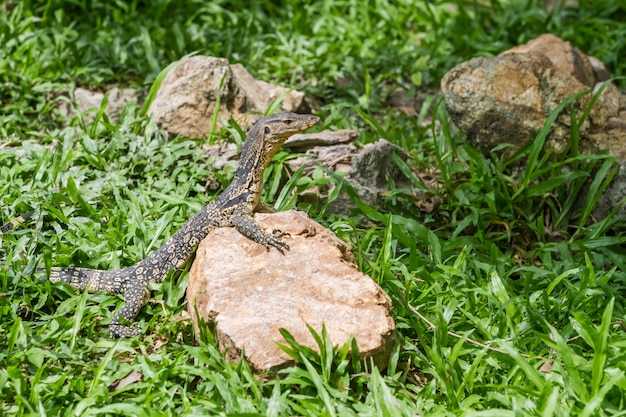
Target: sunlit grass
(508,295)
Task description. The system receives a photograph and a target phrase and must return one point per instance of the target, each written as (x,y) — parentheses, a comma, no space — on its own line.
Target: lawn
(508,298)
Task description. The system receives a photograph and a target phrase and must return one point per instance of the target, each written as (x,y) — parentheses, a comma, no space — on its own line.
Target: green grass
(508,296)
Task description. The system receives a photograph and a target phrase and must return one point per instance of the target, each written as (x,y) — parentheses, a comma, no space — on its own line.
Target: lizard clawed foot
(275,240)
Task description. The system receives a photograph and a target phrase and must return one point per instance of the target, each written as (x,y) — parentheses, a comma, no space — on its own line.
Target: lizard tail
(91,279)
(110,281)
(16,222)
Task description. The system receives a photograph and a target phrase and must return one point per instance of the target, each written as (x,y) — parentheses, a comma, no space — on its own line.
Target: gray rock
(89,102)
(612,196)
(222,154)
(303,141)
(366,169)
(372,168)
(337,158)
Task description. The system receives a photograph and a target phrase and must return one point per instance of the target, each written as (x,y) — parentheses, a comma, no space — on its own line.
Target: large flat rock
(248,294)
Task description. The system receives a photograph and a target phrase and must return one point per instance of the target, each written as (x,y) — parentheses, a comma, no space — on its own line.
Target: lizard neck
(255,157)
(262,143)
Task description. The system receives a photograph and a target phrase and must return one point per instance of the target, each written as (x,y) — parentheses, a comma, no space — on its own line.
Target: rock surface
(588,70)
(505,99)
(418,104)
(613,196)
(248,294)
(86,100)
(188,95)
(304,141)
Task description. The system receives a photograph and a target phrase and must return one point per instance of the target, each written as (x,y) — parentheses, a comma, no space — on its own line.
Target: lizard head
(267,136)
(277,128)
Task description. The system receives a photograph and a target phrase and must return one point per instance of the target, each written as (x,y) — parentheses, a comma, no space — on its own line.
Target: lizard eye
(267,130)
(288,122)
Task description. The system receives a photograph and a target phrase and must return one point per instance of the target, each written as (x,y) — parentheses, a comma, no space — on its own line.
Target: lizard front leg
(248,227)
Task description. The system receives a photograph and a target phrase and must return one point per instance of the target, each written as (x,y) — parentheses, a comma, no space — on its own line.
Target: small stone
(411,103)
(248,293)
(221,154)
(367,170)
(337,158)
(613,196)
(89,102)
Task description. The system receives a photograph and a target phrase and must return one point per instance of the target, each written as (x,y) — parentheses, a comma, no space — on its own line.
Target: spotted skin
(15,222)
(234,207)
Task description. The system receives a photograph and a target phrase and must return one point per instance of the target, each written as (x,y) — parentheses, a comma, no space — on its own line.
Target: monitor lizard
(233,207)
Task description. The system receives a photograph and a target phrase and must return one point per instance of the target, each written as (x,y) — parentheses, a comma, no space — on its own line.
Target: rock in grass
(247,294)
(507,98)
(88,102)
(188,97)
(368,169)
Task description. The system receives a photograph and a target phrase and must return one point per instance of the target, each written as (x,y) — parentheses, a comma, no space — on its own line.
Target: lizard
(233,207)
(15,222)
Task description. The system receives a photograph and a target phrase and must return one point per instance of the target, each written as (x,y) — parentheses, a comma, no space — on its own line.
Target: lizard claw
(275,240)
(279,233)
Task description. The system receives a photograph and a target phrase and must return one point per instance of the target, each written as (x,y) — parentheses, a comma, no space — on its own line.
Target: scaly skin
(234,207)
(15,222)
